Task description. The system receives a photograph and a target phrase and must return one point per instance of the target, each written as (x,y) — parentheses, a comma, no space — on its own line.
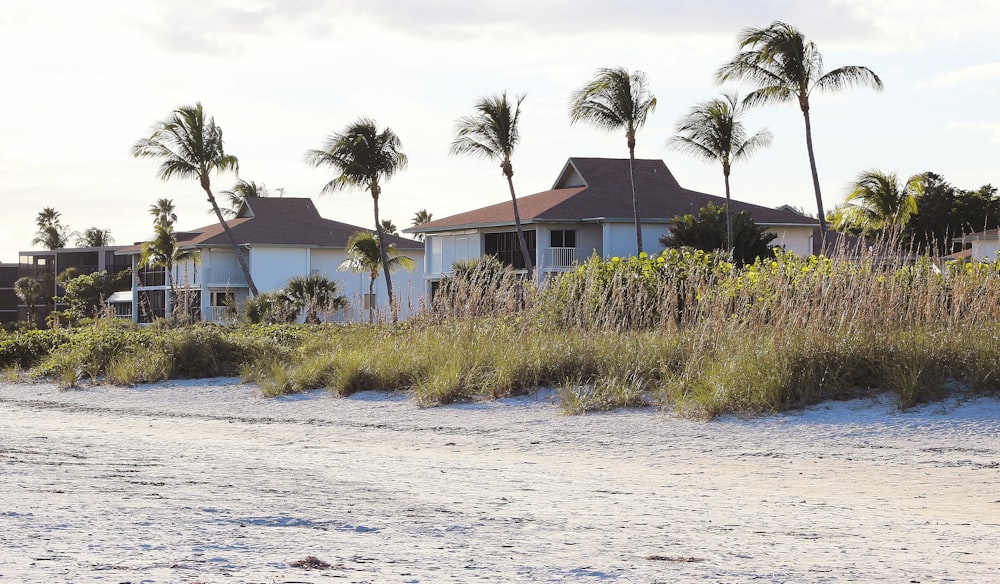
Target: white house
(281,238)
(589,211)
(985,245)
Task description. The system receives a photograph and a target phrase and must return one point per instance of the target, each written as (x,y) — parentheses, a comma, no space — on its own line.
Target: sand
(205,481)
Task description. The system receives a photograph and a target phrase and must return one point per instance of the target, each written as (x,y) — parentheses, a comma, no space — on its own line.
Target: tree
(945,212)
(52,234)
(366,255)
(28,290)
(95,237)
(241,191)
(190,145)
(419,218)
(707,231)
(879,202)
(492,133)
(163,213)
(712,130)
(389,227)
(614,100)
(784,66)
(162,251)
(85,294)
(312,295)
(363,156)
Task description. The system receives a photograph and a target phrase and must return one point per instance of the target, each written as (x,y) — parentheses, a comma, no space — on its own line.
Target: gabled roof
(279,221)
(599,189)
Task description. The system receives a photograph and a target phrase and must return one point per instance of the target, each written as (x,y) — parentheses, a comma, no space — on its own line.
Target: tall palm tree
(493,133)
(52,234)
(419,218)
(366,255)
(389,227)
(364,156)
(189,144)
(712,130)
(163,213)
(241,191)
(28,290)
(614,100)
(880,202)
(95,237)
(784,66)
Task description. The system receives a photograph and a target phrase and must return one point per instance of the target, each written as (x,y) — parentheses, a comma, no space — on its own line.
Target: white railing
(559,257)
(224,276)
(217,314)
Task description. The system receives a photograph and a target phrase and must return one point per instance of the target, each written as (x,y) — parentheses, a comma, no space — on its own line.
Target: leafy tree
(707,231)
(419,218)
(389,227)
(784,67)
(878,202)
(617,100)
(162,251)
(945,212)
(712,130)
(28,290)
(241,191)
(95,237)
(52,234)
(190,145)
(366,255)
(269,308)
(163,213)
(493,133)
(313,294)
(364,156)
(85,294)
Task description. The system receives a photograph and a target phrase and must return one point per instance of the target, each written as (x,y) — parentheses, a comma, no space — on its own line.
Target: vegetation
(28,290)
(419,218)
(945,213)
(241,191)
(365,255)
(86,293)
(617,100)
(365,157)
(52,234)
(707,232)
(879,204)
(95,237)
(189,144)
(712,130)
(784,66)
(314,295)
(493,133)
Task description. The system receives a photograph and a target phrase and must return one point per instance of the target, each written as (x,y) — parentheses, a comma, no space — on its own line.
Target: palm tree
(190,145)
(313,294)
(95,237)
(163,213)
(365,254)
(713,131)
(784,66)
(419,218)
(240,192)
(879,202)
(52,234)
(28,290)
(614,100)
(389,227)
(364,157)
(493,133)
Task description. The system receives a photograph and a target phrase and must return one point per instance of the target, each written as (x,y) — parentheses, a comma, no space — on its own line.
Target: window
(506,248)
(562,238)
(223,299)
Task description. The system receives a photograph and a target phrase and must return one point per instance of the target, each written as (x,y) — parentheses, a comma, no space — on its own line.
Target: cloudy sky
(82,81)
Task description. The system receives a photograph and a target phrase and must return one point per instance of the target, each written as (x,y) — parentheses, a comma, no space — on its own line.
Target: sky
(83,81)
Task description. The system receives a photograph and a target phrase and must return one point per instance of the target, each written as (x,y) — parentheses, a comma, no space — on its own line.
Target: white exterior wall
(798,240)
(272,267)
(445,249)
(408,287)
(985,250)
(619,238)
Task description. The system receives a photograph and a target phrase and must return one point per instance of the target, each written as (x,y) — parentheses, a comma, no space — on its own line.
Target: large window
(506,248)
(562,238)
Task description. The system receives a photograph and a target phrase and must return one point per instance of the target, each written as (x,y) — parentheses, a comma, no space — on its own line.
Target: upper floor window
(562,238)
(506,248)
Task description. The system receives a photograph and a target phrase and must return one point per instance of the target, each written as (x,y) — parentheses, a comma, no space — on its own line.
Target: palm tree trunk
(168,309)
(371,297)
(635,200)
(528,264)
(383,254)
(232,238)
(729,218)
(815,176)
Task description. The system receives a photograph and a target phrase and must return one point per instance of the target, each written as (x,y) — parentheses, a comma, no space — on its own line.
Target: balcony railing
(224,277)
(217,314)
(558,257)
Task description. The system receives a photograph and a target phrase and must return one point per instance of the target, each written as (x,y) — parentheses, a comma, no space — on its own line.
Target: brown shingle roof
(279,221)
(599,188)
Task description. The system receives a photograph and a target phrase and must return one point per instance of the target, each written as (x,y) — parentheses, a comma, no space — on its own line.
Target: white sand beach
(205,481)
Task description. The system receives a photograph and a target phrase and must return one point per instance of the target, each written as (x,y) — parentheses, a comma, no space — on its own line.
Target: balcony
(227,277)
(558,257)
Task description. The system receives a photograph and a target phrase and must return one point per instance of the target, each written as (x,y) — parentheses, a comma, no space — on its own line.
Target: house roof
(980,236)
(278,221)
(599,189)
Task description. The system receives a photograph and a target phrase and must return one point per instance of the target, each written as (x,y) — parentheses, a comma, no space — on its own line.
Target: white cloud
(975,75)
